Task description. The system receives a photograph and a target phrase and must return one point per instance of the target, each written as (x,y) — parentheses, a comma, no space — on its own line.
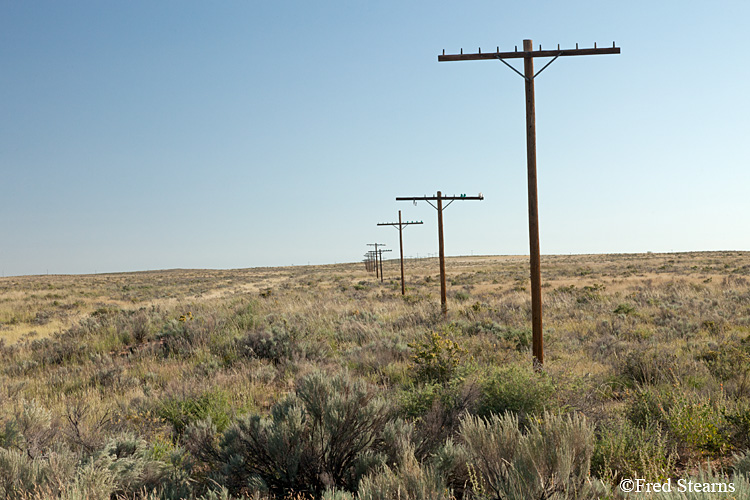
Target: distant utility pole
(368,261)
(381,263)
(376,245)
(439,197)
(371,260)
(528,54)
(400,226)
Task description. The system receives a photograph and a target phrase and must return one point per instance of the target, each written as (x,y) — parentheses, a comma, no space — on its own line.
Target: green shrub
(738,424)
(338,494)
(90,482)
(730,363)
(437,411)
(418,400)
(519,337)
(624,450)
(182,411)
(624,309)
(435,358)
(692,423)
(517,389)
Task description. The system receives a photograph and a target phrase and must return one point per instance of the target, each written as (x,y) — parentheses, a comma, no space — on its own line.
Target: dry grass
(122,345)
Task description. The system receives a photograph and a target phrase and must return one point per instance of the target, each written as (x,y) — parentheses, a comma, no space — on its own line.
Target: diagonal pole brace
(524,76)
(545,66)
(511,67)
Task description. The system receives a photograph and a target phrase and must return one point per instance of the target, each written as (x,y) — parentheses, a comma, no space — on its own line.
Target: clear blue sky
(148,135)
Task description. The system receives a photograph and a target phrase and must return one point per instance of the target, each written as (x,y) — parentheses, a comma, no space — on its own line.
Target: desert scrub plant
(124,468)
(517,338)
(694,425)
(33,428)
(551,458)
(178,338)
(86,422)
(137,466)
(181,411)
(650,366)
(276,344)
(436,411)
(21,474)
(625,309)
(624,450)
(730,363)
(451,460)
(244,316)
(418,399)
(435,358)
(737,416)
(707,485)
(325,434)
(137,326)
(516,389)
(741,463)
(410,480)
(58,351)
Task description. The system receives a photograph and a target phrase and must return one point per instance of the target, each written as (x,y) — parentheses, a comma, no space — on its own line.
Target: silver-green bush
(326,434)
(550,460)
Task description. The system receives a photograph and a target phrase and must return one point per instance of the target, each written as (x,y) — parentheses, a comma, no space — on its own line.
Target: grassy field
(320,381)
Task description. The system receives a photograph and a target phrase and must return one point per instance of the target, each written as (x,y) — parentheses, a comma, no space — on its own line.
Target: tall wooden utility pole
(400,226)
(439,198)
(528,75)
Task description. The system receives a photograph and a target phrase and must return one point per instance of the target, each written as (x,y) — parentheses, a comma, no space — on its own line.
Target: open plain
(315,381)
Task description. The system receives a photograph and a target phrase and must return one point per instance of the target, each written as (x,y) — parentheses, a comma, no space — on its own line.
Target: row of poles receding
(400,225)
(527,54)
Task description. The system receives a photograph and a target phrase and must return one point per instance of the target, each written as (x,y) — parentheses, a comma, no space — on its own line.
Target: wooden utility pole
(528,54)
(439,198)
(373,262)
(368,261)
(376,245)
(381,263)
(400,226)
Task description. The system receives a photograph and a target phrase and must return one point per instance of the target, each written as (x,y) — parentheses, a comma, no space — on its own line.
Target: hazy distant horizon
(406,257)
(148,135)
